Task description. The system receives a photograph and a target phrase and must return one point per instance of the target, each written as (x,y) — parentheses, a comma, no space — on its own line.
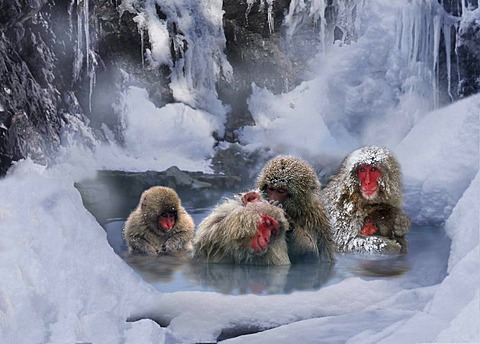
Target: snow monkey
(243,230)
(364,202)
(159,224)
(293,183)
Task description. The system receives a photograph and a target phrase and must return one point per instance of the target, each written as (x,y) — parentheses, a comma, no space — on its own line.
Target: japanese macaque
(159,224)
(364,203)
(293,183)
(245,230)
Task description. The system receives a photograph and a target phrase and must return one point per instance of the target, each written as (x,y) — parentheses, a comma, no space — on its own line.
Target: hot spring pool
(424,265)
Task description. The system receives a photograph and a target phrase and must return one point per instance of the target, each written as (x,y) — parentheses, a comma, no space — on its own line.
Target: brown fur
(310,235)
(141,231)
(348,209)
(225,235)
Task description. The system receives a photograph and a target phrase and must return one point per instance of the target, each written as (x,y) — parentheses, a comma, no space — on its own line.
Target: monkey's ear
(143,203)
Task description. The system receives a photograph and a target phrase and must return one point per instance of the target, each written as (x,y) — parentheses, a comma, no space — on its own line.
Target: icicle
(436,44)
(457,62)
(83,51)
(269,4)
(78,55)
(317,11)
(249,8)
(464,7)
(86,27)
(93,79)
(294,16)
(142,47)
(418,39)
(398,31)
(448,49)
(416,32)
(271,23)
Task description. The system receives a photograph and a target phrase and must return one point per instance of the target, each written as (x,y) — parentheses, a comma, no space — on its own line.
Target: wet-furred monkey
(159,224)
(245,229)
(364,203)
(293,183)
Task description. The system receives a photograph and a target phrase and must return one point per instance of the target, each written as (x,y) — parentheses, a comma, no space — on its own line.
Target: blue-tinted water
(424,265)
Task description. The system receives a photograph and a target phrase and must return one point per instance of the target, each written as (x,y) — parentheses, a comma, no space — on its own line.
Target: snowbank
(65,284)
(61,282)
(439,158)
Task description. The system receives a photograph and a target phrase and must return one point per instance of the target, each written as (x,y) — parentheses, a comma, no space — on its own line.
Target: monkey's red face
(277,194)
(368,176)
(369,228)
(250,197)
(166,220)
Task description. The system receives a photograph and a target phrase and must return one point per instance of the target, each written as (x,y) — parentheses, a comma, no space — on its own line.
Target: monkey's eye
(168,214)
(362,169)
(279,190)
(373,169)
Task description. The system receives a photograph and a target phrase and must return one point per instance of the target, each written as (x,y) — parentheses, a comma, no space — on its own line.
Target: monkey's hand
(300,241)
(401,224)
(374,244)
(267,229)
(143,246)
(175,244)
(276,204)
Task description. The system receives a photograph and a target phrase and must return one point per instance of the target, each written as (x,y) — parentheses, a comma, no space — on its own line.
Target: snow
(374,155)
(152,135)
(438,166)
(62,282)
(197,68)
(68,285)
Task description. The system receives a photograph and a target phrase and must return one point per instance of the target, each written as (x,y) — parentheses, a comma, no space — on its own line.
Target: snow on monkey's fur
(346,207)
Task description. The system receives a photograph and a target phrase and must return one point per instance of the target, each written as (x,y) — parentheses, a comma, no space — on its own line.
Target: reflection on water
(260,280)
(379,266)
(424,265)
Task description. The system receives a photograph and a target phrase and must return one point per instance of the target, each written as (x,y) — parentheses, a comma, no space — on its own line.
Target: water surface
(424,265)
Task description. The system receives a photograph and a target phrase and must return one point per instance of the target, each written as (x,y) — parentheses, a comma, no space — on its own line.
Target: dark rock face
(50,72)
(468,52)
(464,54)
(30,125)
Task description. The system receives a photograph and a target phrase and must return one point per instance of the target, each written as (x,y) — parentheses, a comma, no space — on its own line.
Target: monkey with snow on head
(243,230)
(364,202)
(159,224)
(294,184)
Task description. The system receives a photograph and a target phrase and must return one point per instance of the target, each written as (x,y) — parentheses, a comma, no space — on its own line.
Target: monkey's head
(159,206)
(253,228)
(373,173)
(288,180)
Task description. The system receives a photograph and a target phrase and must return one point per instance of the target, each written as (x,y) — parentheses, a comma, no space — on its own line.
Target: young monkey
(159,224)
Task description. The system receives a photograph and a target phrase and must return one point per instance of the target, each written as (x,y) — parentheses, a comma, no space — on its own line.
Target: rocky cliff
(56,57)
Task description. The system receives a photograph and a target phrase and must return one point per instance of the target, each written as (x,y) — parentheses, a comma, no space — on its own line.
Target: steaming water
(424,265)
